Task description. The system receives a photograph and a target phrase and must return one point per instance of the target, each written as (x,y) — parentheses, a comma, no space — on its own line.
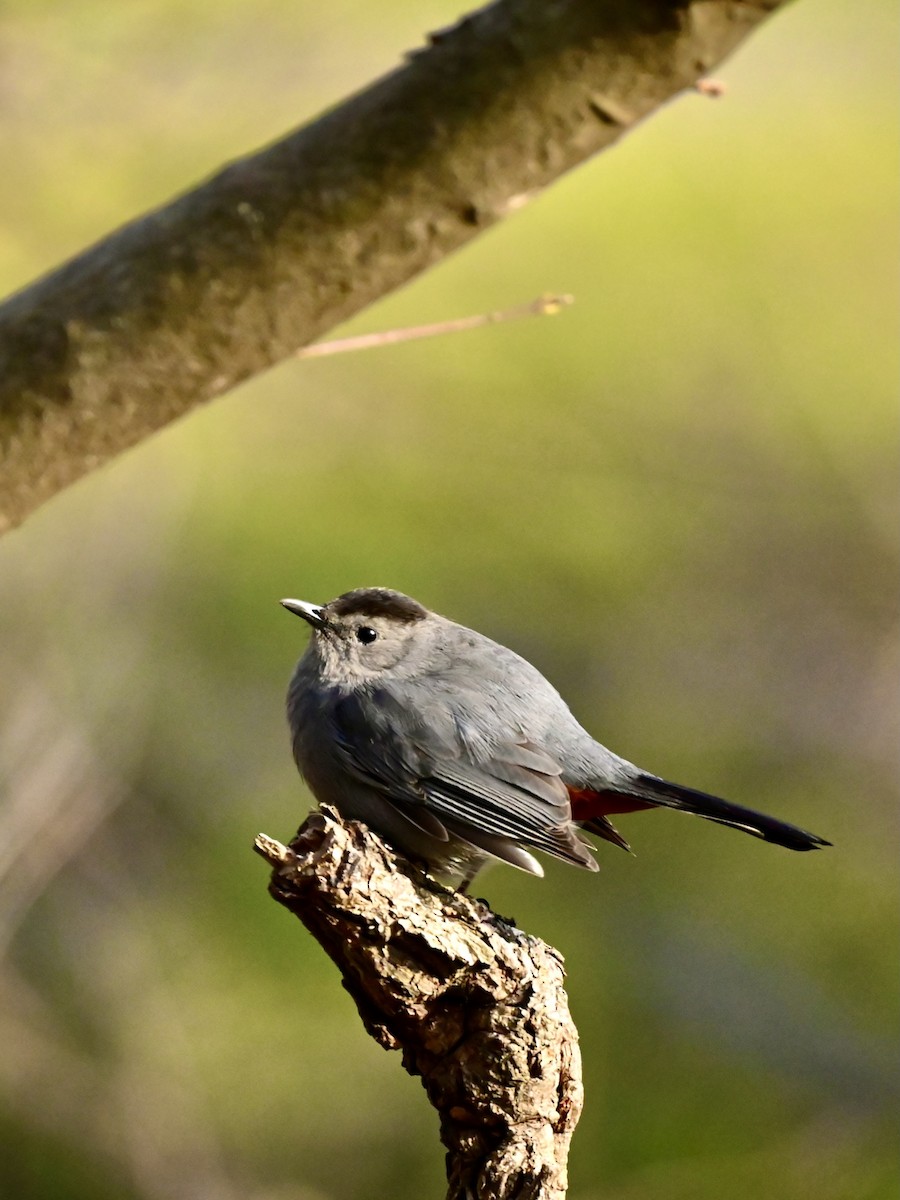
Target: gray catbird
(457,750)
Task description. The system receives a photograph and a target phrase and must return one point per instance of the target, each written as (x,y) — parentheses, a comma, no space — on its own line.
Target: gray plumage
(456,749)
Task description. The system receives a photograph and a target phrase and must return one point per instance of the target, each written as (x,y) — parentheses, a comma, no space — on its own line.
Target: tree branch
(281,246)
(477,1007)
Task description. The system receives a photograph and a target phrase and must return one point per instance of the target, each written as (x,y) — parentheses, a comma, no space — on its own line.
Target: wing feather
(511,794)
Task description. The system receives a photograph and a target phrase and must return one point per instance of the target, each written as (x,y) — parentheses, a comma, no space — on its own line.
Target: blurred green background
(676,499)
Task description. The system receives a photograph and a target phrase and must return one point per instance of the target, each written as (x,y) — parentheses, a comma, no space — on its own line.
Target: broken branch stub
(477,1007)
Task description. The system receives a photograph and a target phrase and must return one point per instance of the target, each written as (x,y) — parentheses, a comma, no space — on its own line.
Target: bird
(459,752)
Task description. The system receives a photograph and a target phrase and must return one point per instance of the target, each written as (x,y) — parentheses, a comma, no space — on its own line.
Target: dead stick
(477,1007)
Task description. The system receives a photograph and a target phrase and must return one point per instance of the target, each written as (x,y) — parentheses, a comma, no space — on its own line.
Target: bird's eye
(366,634)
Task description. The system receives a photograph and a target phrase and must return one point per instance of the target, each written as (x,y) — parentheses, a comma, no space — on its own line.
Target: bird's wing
(372,749)
(509,795)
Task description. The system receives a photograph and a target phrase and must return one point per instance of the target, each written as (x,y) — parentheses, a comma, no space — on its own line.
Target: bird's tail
(711,808)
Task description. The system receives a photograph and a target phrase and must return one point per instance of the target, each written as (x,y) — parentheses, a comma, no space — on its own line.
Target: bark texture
(279,247)
(477,1008)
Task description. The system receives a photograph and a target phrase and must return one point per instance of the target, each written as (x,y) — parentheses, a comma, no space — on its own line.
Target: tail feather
(711,808)
(602,828)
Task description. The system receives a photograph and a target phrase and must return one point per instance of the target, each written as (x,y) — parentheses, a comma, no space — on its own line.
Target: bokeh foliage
(676,499)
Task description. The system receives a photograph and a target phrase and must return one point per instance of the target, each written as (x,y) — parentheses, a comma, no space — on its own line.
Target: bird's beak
(313,613)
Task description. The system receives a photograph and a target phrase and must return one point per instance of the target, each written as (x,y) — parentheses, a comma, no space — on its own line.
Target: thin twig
(544,306)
